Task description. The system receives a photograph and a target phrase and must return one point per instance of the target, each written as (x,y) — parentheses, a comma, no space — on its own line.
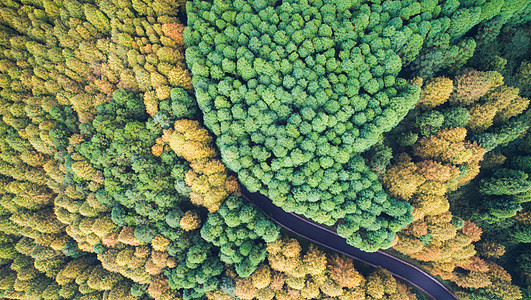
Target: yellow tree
(71,270)
(435,92)
(473,279)
(498,102)
(283,254)
(207,176)
(261,278)
(341,270)
(408,244)
(83,169)
(314,261)
(380,284)
(190,220)
(515,107)
(402,179)
(245,289)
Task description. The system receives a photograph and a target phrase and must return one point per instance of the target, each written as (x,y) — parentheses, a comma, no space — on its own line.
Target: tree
(238,229)
(190,220)
(208,175)
(380,283)
(341,270)
(261,278)
(71,270)
(471,279)
(435,92)
(490,249)
(402,179)
(245,289)
(521,233)
(314,261)
(472,231)
(505,182)
(504,289)
(283,254)
(472,85)
(408,244)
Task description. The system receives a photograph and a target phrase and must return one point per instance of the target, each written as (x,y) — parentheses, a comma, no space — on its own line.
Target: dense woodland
(129,128)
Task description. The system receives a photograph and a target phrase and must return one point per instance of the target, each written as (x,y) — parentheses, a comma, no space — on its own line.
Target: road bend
(331,240)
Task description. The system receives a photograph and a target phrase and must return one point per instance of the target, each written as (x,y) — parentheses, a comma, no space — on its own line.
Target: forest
(130,129)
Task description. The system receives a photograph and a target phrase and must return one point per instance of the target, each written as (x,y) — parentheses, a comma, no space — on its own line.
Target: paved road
(331,240)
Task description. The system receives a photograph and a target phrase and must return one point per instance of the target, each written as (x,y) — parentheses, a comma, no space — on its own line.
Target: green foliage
(119,216)
(503,134)
(295,92)
(521,163)
(521,233)
(496,202)
(196,271)
(179,105)
(145,233)
(407,139)
(100,248)
(430,122)
(69,174)
(449,43)
(457,222)
(183,105)
(456,117)
(505,46)
(505,182)
(378,158)
(524,261)
(71,249)
(299,95)
(372,219)
(146,191)
(239,229)
(120,146)
(425,239)
(139,290)
(174,217)
(122,122)
(502,207)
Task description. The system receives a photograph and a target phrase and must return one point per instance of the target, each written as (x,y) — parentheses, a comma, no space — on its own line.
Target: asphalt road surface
(329,239)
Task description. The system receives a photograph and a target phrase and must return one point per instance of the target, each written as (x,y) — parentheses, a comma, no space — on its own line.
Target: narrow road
(329,239)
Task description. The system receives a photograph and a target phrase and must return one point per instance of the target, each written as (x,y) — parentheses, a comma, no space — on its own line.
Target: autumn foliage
(312,274)
(442,158)
(111,188)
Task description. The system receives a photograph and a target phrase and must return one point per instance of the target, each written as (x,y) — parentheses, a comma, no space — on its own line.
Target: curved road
(329,239)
